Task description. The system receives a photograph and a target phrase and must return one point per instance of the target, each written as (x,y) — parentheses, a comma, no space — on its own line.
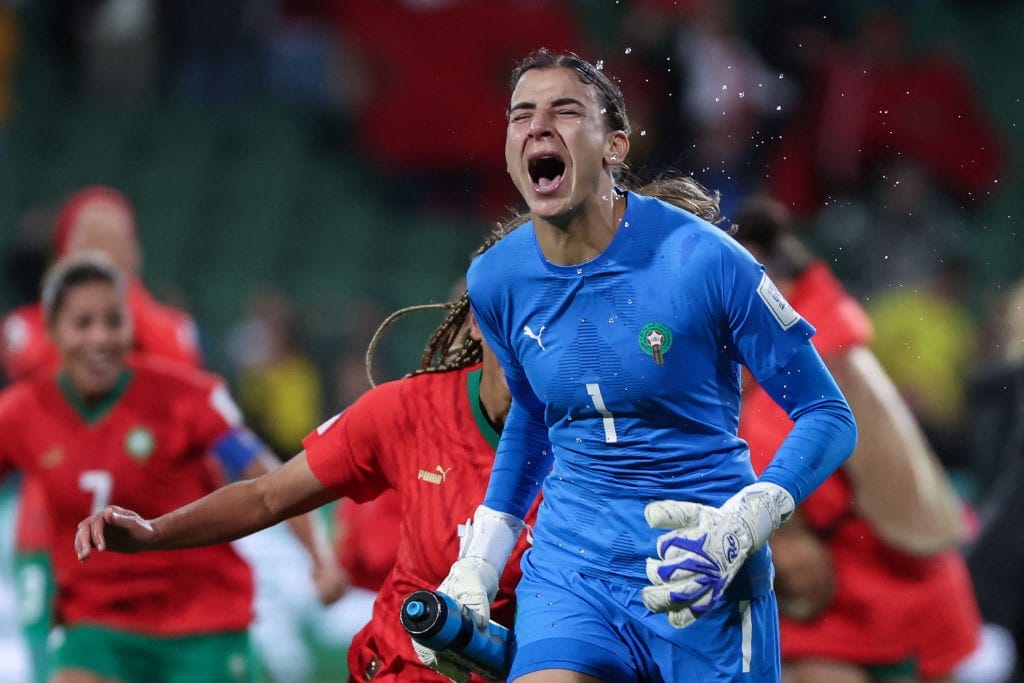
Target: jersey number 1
(610,436)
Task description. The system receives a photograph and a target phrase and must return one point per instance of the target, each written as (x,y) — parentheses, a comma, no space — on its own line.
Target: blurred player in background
(367,539)
(429,436)
(105,426)
(103,219)
(870,583)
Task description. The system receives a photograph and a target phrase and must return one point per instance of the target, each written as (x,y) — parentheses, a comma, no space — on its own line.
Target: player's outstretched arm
(899,486)
(327,576)
(228,513)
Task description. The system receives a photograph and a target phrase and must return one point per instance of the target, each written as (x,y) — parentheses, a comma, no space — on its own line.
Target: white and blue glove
(706,547)
(472,581)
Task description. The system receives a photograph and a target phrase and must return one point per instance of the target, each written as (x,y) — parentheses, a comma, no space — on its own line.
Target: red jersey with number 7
(427,438)
(145,448)
(26,348)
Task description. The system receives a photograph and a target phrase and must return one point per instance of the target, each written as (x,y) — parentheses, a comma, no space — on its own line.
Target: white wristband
(764,507)
(491,536)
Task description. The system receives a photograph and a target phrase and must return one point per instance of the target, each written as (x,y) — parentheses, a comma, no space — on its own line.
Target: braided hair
(452,348)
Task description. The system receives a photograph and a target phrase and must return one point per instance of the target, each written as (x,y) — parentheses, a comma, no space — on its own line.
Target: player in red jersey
(870,584)
(99,218)
(429,436)
(367,540)
(107,427)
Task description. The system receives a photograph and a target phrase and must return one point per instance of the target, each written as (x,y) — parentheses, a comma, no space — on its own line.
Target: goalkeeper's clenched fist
(473,579)
(706,546)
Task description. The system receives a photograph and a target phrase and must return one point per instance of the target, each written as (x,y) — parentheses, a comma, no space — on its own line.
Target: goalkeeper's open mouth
(547,171)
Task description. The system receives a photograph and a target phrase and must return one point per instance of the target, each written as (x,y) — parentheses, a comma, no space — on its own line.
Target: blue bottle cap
(414,608)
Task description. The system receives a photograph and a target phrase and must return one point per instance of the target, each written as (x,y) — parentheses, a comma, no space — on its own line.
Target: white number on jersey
(100,484)
(610,436)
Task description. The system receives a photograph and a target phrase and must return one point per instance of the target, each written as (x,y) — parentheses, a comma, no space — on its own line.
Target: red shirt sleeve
(8,422)
(162,330)
(345,452)
(209,408)
(24,344)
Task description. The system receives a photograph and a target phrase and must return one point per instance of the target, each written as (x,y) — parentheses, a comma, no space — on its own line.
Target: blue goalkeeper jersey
(625,376)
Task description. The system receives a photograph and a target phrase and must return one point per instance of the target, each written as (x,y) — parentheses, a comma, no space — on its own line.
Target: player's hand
(804,575)
(473,583)
(330,580)
(113,528)
(706,546)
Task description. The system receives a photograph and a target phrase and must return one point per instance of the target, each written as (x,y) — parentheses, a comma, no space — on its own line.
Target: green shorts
(905,669)
(36,592)
(224,657)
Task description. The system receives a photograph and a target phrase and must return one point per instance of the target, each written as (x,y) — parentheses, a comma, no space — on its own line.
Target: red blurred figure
(859,571)
(369,555)
(99,218)
(876,101)
(103,219)
(447,152)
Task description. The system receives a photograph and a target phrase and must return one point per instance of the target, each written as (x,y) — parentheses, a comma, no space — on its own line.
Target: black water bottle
(435,620)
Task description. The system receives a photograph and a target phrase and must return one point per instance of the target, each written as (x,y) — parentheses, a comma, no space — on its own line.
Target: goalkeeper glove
(706,547)
(473,580)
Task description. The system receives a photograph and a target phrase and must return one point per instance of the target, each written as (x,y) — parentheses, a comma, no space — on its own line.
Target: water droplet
(628,50)
(625,224)
(643,133)
(600,63)
(579,271)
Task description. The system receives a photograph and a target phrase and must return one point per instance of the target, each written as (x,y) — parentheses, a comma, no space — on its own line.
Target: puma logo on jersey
(535,337)
(436,477)
(51,458)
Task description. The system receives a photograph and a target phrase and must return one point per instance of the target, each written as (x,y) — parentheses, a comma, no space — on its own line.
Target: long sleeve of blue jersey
(824,431)
(523,456)
(522,461)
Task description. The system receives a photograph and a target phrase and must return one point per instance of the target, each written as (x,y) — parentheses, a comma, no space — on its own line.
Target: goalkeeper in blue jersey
(622,322)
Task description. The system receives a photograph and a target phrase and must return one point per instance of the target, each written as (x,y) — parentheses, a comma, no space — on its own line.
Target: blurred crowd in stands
(883,148)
